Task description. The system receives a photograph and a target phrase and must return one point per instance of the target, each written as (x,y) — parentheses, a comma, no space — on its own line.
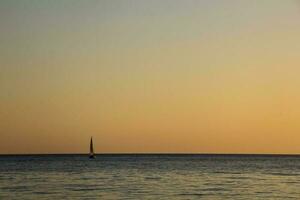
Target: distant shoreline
(157,154)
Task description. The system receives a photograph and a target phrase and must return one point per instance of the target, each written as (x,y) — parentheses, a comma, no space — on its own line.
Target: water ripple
(149,177)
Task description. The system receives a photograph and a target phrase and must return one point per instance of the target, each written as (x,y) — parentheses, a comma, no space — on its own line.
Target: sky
(192,76)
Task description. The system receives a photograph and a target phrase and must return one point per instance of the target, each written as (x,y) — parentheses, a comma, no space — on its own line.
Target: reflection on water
(150,177)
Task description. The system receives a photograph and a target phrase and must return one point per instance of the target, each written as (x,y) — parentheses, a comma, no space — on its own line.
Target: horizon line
(161,153)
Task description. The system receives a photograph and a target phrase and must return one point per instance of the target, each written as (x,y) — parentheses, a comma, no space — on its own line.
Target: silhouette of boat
(92,155)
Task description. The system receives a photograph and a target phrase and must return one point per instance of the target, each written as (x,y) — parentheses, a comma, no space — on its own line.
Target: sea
(149,176)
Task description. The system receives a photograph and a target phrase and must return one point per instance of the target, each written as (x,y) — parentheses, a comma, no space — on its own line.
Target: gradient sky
(150,76)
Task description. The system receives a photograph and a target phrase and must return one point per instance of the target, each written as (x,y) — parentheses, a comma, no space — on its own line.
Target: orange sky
(150,76)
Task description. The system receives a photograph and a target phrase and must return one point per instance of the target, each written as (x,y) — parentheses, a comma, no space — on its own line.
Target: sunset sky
(152,76)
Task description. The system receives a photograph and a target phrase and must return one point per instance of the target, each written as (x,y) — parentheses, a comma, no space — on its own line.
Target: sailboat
(91,149)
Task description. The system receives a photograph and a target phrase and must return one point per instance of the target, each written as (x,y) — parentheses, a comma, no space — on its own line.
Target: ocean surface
(150,177)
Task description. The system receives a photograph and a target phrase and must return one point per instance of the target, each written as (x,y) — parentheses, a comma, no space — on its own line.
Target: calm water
(150,177)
